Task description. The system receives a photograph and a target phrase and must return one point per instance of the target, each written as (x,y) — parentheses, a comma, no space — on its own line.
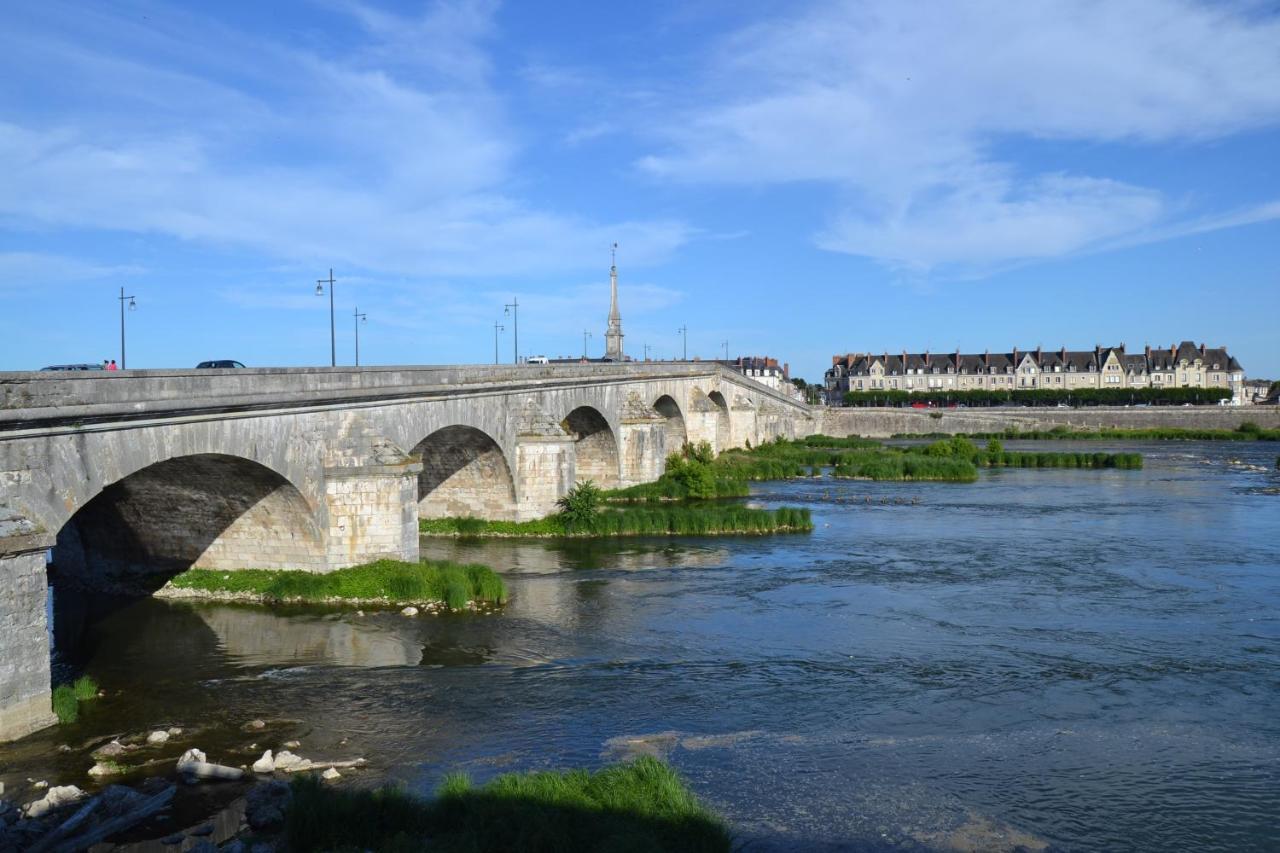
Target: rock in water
(112,749)
(331,774)
(265,764)
(101,769)
(286,760)
(193,755)
(57,796)
(409,611)
(158,736)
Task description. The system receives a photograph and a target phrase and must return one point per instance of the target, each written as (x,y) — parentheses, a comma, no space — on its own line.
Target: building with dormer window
(1184,365)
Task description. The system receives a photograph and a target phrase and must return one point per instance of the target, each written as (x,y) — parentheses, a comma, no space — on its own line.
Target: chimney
(1173,351)
(986,359)
(926,357)
(1202,349)
(786,370)
(1039,354)
(1147,352)
(1015,358)
(1064,355)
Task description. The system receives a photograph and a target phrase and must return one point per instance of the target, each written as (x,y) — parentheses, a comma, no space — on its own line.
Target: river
(1066,659)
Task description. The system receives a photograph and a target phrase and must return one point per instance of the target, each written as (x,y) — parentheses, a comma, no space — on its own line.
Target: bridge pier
(373,513)
(702,421)
(24,635)
(544,473)
(371,499)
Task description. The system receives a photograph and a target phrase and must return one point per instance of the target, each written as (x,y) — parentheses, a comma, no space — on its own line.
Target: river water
(1064,659)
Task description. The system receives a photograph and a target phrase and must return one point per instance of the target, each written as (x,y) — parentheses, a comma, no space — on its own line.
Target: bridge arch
(724,431)
(677,435)
(595,447)
(203,510)
(464,473)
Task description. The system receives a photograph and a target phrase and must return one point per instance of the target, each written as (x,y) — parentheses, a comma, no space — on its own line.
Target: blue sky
(798,179)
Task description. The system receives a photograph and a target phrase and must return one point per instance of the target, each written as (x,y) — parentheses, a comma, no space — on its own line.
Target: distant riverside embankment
(885,423)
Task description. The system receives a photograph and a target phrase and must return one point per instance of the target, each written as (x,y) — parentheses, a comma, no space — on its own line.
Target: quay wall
(883,423)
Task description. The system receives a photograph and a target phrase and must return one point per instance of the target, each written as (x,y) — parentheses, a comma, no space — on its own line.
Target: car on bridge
(221,363)
(73,367)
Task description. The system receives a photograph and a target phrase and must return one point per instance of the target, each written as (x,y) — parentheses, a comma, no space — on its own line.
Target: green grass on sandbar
(393,580)
(1018,459)
(664,520)
(889,464)
(640,806)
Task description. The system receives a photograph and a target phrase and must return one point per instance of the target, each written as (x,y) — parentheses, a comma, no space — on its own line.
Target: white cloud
(20,271)
(909,112)
(392,154)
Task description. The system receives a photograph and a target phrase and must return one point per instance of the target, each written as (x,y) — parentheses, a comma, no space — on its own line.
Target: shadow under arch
(595,447)
(206,510)
(676,433)
(724,431)
(464,473)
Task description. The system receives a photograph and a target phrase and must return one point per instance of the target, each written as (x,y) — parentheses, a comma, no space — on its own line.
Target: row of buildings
(1183,365)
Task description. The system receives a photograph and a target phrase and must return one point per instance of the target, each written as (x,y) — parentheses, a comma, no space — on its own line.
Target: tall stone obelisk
(613,334)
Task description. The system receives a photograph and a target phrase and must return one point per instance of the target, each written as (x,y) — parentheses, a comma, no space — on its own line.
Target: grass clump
(384,580)
(702,519)
(892,464)
(641,806)
(67,698)
(1018,459)
(65,704)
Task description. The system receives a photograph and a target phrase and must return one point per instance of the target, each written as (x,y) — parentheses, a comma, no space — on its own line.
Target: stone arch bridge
(128,478)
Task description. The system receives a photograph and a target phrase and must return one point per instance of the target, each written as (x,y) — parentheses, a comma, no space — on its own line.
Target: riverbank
(641,805)
(387,583)
(1247,431)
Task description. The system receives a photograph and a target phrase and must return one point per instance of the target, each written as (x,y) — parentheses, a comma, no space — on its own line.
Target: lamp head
(319,289)
(133,306)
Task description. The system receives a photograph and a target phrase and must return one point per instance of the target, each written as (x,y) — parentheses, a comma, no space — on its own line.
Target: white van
(537,359)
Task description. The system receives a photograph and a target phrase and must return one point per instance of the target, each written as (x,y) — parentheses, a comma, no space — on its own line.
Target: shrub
(701,452)
(84,688)
(1250,428)
(581,504)
(994,446)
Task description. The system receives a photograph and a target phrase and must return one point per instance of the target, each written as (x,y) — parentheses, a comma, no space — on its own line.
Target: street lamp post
(513,310)
(684,336)
(585,336)
(359,318)
(725,344)
(333,332)
(497,327)
(133,306)
(646,352)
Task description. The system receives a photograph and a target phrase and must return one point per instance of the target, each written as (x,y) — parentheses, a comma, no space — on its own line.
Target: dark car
(226,362)
(74,367)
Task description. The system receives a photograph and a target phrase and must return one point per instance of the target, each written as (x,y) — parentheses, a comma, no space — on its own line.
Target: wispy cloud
(904,110)
(20,271)
(393,156)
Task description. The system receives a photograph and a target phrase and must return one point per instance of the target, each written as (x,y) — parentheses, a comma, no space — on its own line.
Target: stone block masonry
(883,423)
(24,645)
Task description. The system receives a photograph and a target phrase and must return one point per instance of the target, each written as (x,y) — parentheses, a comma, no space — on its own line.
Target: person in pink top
(112,365)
